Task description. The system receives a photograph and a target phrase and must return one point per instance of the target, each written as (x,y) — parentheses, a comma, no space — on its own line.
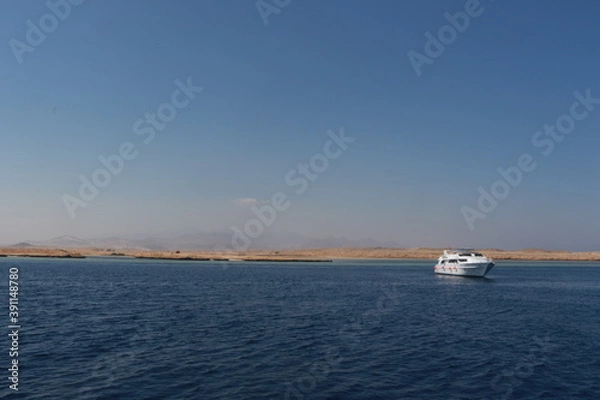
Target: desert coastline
(300,255)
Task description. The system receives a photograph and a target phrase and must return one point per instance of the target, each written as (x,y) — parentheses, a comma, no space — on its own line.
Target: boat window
(452,261)
(462,260)
(464,254)
(478,255)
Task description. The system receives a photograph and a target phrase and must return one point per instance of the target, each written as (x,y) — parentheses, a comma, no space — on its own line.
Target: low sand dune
(302,255)
(39,252)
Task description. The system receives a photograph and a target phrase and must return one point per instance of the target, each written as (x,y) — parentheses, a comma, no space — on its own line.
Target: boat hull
(470,269)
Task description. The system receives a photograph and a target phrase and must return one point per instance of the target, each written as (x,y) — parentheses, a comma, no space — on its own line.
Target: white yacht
(463,263)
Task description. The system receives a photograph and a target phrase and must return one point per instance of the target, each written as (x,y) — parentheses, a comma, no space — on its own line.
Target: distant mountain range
(207,241)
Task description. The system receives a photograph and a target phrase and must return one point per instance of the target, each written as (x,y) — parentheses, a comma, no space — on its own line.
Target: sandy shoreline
(298,255)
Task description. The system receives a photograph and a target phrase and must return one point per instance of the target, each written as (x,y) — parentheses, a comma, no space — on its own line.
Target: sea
(118,328)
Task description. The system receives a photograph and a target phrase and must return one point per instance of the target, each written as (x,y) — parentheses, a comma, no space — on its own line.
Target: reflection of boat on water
(463,263)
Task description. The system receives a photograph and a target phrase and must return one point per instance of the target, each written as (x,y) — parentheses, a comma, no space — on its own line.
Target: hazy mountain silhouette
(210,241)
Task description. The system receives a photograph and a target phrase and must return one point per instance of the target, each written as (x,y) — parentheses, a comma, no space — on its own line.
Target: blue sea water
(140,329)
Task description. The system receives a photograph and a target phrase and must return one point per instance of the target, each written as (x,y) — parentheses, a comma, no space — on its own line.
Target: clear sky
(271,92)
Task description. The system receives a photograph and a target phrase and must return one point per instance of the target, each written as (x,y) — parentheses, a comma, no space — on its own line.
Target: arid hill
(306,254)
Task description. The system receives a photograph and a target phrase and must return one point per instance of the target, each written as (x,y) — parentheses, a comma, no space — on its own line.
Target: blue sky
(424,144)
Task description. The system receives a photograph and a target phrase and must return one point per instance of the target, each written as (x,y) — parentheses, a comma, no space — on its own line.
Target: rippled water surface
(131,329)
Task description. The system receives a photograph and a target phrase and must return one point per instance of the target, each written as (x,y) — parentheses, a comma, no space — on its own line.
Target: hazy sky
(423,147)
